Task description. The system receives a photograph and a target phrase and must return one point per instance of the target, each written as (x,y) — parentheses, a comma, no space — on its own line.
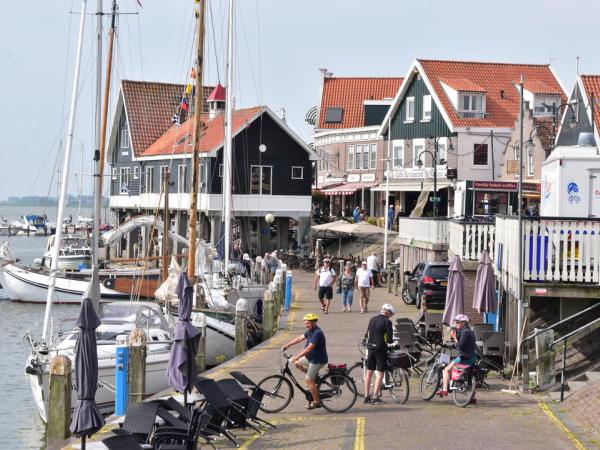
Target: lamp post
(556,111)
(434,156)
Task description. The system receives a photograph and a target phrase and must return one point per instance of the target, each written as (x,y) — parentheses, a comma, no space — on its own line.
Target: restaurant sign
(512,186)
(413,172)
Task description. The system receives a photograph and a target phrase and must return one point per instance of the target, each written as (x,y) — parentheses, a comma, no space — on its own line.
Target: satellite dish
(269,218)
(262,148)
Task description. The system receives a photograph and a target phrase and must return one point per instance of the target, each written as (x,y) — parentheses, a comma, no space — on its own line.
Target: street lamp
(434,157)
(556,111)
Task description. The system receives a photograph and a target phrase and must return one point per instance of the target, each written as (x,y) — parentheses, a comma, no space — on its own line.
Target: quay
(498,420)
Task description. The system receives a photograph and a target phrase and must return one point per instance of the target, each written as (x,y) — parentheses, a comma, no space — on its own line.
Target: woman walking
(347,285)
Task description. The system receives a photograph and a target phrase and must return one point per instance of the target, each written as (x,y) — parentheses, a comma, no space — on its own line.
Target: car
(427,282)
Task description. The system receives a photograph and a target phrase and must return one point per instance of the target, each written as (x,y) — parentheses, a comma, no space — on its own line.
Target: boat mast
(102,156)
(193,213)
(65,178)
(97,175)
(166,226)
(227,147)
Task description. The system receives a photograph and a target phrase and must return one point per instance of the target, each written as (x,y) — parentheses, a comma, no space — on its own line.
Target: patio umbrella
(182,371)
(86,416)
(484,297)
(455,294)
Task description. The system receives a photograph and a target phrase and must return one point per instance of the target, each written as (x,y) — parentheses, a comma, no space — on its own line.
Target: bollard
(58,413)
(288,291)
(199,321)
(137,365)
(389,280)
(268,321)
(396,280)
(121,366)
(241,326)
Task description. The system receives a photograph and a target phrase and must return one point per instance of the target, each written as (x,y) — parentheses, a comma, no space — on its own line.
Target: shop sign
(353,178)
(512,186)
(367,177)
(512,166)
(412,172)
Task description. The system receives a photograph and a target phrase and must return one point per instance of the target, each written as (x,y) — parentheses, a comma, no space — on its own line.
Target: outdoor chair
(433,327)
(122,442)
(240,398)
(139,422)
(480,328)
(493,351)
(256,393)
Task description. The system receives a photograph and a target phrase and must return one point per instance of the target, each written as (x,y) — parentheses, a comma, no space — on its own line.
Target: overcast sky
(280,44)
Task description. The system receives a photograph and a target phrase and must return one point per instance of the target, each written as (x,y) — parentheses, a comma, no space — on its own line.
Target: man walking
(379,335)
(325,279)
(356,214)
(391,214)
(363,281)
(373,266)
(312,358)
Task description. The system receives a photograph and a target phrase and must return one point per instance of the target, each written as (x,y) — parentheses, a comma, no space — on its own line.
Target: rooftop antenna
(282,110)
(577,66)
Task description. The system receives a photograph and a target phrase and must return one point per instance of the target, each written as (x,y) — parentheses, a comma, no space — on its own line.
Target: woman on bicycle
(465,339)
(347,286)
(312,358)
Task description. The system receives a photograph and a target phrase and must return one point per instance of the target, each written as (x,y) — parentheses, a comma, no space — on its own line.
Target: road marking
(576,442)
(359,436)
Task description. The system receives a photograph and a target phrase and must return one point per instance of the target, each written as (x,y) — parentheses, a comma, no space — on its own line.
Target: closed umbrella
(86,416)
(455,294)
(182,371)
(484,297)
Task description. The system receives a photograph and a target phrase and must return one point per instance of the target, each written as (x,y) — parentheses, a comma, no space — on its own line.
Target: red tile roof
(150,106)
(462,85)
(591,84)
(349,93)
(218,94)
(539,87)
(177,138)
(502,109)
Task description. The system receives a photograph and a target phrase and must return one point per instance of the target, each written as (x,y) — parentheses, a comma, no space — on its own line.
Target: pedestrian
(312,358)
(347,286)
(373,266)
(379,335)
(363,282)
(390,214)
(325,279)
(356,214)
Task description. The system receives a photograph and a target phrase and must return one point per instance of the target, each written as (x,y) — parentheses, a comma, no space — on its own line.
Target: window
(359,157)
(530,160)
(297,173)
(471,105)
(373,156)
(441,152)
(261,180)
(480,155)
(325,159)
(365,155)
(334,115)
(426,107)
(115,174)
(398,153)
(516,151)
(124,180)
(125,138)
(418,147)
(149,181)
(373,135)
(365,136)
(136,173)
(181,178)
(350,157)
(410,109)
(337,138)
(543,105)
(220,170)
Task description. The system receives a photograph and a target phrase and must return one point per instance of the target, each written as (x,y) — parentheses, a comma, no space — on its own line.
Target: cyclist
(465,339)
(312,358)
(379,334)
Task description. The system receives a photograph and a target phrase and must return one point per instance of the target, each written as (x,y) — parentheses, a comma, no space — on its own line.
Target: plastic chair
(480,328)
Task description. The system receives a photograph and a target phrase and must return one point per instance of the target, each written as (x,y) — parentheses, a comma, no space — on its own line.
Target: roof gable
(591,87)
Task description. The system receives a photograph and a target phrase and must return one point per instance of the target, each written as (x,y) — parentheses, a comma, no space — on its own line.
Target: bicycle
(337,390)
(395,379)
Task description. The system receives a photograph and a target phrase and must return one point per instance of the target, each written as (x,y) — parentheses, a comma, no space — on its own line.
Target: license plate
(444,358)
(444,283)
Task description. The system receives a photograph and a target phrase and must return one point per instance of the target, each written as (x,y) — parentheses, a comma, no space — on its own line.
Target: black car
(427,282)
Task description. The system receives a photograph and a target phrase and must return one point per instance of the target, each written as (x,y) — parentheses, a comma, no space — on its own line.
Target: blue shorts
(467,362)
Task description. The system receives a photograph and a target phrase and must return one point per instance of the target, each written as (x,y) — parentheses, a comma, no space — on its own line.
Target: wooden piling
(58,414)
(137,365)
(241,326)
(200,322)
(268,321)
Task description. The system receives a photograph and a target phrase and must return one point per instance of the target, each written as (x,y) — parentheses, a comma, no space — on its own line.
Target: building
(465,113)
(271,167)
(577,114)
(348,115)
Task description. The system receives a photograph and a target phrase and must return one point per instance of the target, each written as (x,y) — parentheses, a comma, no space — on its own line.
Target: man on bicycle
(465,339)
(312,358)
(379,334)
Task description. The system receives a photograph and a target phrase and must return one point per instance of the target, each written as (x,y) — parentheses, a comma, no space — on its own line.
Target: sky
(279,47)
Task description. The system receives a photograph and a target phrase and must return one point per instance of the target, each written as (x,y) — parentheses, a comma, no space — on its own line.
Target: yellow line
(576,442)
(249,441)
(359,436)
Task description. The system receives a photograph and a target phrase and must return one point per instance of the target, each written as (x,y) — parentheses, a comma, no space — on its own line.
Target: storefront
(489,198)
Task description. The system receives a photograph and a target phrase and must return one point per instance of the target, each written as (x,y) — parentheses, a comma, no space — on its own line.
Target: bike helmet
(462,318)
(387,307)
(311,317)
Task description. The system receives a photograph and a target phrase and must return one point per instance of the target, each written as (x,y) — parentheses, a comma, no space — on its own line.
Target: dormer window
(471,105)
(543,105)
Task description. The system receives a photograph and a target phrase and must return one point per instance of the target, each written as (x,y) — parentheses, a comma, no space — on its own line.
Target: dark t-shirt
(466,343)
(318,355)
(380,332)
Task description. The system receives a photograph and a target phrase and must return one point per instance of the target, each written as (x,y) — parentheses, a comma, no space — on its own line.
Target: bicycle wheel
(337,393)
(399,388)
(465,392)
(278,393)
(356,372)
(430,383)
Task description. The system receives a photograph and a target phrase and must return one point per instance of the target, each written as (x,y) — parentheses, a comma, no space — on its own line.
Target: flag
(193,73)
(184,104)
(188,89)
(139,3)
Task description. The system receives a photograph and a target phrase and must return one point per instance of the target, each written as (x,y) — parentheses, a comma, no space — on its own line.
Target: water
(21,426)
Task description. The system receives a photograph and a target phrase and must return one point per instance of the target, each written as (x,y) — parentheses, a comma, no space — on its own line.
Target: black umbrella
(182,370)
(86,416)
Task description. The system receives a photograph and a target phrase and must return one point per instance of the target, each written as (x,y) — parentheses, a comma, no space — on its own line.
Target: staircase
(578,383)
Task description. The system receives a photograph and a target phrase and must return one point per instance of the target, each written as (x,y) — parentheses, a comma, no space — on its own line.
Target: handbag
(338,290)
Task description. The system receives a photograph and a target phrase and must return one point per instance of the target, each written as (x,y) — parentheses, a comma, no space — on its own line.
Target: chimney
(216,102)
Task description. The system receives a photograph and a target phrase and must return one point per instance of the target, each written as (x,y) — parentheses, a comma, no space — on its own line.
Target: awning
(413,186)
(347,188)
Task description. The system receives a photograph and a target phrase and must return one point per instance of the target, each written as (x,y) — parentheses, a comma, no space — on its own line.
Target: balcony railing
(423,230)
(469,238)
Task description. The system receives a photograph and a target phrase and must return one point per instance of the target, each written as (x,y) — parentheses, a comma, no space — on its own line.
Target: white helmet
(462,318)
(389,308)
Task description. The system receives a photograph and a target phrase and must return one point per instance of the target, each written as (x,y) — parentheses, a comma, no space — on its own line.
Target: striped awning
(347,188)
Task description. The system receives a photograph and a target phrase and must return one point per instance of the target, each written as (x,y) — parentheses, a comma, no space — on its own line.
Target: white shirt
(372,262)
(326,277)
(363,277)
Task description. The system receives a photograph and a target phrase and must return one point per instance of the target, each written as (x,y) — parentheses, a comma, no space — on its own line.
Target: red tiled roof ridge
(362,78)
(153,82)
(452,61)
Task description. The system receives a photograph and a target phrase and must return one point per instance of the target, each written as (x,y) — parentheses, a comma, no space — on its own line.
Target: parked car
(427,282)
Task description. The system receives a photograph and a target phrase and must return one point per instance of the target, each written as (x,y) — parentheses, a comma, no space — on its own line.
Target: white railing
(469,239)
(432,231)
(555,250)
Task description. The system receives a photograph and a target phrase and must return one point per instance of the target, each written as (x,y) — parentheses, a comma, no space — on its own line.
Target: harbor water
(21,426)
